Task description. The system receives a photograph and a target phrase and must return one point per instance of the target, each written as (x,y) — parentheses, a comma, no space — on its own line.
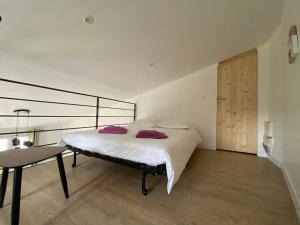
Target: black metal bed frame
(146,169)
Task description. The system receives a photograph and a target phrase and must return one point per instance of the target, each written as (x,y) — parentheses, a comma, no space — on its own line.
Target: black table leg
(15,207)
(74,159)
(3,185)
(62,173)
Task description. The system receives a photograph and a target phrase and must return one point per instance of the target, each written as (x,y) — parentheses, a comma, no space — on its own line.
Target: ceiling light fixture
(89,19)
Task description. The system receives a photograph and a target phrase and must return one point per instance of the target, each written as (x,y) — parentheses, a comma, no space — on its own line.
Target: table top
(22,157)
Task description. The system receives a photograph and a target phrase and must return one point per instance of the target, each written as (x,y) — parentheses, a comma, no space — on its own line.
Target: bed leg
(74,160)
(144,189)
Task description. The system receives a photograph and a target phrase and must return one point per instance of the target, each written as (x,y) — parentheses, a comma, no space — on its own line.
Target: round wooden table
(18,158)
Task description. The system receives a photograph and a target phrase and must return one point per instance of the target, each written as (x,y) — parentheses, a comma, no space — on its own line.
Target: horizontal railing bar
(59,129)
(45,145)
(49,130)
(48,116)
(62,103)
(116,116)
(105,107)
(42,101)
(62,90)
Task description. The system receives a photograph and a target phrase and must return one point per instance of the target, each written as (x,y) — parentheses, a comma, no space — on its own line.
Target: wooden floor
(217,188)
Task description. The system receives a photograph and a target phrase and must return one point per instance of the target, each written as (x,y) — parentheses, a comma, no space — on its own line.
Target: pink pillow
(153,134)
(113,130)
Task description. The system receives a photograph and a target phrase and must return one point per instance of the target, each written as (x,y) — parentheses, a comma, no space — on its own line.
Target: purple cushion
(154,134)
(113,130)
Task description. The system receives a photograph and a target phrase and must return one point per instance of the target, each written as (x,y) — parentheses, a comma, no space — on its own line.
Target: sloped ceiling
(49,38)
(133,45)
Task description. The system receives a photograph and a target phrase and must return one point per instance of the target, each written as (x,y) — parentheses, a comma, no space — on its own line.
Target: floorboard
(217,188)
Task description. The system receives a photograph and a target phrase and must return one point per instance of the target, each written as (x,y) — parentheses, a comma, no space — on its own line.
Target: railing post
(134,115)
(97,112)
(34,138)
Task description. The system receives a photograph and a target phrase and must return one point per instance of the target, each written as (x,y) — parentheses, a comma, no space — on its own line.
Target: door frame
(257,99)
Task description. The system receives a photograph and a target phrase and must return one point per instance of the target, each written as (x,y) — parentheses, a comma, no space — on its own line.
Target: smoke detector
(89,19)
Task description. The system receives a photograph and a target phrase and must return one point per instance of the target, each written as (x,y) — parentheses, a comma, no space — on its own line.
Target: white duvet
(175,151)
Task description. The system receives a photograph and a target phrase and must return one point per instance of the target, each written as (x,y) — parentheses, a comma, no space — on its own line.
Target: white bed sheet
(175,151)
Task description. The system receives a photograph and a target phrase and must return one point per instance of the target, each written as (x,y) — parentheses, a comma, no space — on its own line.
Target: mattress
(175,151)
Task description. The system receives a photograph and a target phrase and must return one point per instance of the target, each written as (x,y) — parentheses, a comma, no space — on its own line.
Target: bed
(153,156)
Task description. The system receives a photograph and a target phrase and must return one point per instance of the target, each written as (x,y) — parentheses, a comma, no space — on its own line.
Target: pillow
(172,124)
(142,124)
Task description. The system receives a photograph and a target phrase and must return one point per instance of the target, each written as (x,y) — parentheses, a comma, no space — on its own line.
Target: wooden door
(237,103)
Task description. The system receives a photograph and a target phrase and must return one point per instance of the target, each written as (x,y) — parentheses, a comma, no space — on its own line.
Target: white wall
(284,109)
(263,94)
(192,98)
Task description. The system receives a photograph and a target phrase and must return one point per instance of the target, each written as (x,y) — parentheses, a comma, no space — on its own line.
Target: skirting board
(275,161)
(289,183)
(207,146)
(291,188)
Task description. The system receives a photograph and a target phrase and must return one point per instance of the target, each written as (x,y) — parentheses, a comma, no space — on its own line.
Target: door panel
(237,104)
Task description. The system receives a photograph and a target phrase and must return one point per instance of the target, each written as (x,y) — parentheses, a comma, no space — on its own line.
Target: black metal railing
(97,106)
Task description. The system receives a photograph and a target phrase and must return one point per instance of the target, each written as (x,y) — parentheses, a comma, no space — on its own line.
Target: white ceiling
(47,42)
